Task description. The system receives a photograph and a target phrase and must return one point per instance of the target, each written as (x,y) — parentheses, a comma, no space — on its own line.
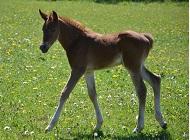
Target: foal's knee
(157,79)
(153,79)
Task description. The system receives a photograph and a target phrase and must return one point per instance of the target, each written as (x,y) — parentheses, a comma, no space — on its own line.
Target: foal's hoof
(164,125)
(48,129)
(95,130)
(137,130)
(98,133)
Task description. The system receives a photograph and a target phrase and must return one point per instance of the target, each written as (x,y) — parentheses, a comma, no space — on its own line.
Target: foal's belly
(103,58)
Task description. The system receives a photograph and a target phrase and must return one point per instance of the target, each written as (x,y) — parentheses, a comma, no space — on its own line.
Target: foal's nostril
(43,48)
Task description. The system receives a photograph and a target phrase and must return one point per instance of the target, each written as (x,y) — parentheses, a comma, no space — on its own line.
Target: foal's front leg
(74,77)
(89,77)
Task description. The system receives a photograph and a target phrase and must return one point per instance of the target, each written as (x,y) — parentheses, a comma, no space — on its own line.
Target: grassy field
(30,82)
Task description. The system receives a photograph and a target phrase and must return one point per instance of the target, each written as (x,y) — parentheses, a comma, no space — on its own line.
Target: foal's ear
(43,15)
(55,17)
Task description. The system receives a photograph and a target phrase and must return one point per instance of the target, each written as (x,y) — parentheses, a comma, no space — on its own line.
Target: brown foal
(88,51)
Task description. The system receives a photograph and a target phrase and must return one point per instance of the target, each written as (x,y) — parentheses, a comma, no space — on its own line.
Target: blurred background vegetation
(117,1)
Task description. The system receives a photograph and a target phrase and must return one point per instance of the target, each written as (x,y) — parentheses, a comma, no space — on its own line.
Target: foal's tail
(150,38)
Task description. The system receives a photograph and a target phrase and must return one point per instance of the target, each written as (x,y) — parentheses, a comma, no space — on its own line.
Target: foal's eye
(51,30)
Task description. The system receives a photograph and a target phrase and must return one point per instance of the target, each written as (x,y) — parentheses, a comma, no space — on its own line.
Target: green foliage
(30,82)
(118,1)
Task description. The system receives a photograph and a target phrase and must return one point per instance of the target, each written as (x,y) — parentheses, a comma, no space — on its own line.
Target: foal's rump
(150,39)
(135,48)
(138,39)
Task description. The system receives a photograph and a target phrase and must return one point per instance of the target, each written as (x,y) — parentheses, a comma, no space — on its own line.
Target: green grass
(30,82)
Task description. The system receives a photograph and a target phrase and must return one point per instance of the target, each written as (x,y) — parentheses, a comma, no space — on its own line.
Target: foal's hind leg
(93,97)
(141,93)
(155,81)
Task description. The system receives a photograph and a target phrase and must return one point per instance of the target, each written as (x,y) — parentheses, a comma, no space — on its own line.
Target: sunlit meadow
(31,82)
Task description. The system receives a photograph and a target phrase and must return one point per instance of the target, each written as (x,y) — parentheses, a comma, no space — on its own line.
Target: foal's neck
(67,34)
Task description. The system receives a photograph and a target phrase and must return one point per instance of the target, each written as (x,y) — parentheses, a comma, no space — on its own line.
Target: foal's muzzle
(44,48)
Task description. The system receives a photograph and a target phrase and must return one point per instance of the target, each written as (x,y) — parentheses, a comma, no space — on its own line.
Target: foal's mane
(76,24)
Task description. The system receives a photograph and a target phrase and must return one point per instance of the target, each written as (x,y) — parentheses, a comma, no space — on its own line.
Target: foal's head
(50,30)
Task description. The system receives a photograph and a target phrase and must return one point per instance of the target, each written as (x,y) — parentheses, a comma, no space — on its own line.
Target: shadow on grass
(162,135)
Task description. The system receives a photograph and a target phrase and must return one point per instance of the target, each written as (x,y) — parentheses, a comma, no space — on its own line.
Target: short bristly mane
(76,24)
